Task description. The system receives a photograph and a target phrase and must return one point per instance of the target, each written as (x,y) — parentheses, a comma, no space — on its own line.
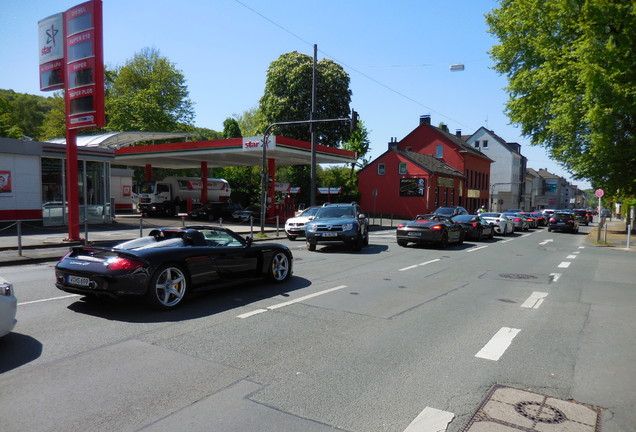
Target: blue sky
(396,53)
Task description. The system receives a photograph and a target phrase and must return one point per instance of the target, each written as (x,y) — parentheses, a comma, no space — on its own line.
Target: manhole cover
(517,276)
(540,412)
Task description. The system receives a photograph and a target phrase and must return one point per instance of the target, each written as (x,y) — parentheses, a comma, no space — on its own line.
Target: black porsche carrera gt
(429,228)
(169,263)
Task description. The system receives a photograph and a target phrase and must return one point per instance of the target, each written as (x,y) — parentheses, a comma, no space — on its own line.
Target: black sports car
(430,228)
(475,226)
(169,263)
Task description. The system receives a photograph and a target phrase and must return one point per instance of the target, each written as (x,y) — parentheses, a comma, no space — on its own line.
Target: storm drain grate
(517,276)
(522,410)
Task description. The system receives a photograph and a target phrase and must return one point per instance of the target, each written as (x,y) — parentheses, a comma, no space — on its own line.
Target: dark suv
(563,221)
(340,223)
(215,210)
(583,216)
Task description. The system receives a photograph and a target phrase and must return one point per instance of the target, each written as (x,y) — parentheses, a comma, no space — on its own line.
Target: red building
(429,168)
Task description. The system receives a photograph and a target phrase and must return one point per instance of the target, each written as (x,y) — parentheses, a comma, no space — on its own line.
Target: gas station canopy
(247,151)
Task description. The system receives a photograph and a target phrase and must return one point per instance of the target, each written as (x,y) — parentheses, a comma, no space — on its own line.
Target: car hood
(334,221)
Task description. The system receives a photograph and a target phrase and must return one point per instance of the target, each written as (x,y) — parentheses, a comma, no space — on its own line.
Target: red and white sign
(84,69)
(256,143)
(599,193)
(51,46)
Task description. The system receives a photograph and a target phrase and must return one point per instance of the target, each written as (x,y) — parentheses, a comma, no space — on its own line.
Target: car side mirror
(248,241)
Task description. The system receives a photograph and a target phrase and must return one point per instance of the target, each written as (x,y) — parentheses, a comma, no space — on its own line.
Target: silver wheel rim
(280,266)
(171,286)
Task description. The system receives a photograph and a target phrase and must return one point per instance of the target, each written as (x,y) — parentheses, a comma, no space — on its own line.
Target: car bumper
(121,285)
(419,236)
(8,309)
(328,237)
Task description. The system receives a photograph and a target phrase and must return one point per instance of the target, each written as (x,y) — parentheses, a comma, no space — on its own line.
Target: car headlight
(6,289)
(311,228)
(347,227)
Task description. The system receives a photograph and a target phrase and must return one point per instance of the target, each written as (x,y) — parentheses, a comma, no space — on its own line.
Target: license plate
(78,280)
(414,234)
(330,234)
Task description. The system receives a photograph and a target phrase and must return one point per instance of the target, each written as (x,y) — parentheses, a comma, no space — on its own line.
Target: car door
(234,258)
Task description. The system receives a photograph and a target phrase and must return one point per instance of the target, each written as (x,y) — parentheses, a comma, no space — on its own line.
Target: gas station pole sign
(80,71)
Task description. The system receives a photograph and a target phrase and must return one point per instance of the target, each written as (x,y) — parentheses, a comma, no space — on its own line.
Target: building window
(476,144)
(484,144)
(381,169)
(439,152)
(402,168)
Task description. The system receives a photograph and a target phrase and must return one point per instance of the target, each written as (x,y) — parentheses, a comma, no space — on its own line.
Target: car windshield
(334,212)
(310,211)
(445,210)
(429,217)
(490,215)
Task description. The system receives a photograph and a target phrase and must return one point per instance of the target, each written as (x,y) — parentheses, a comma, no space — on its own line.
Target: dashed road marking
(535,300)
(570,257)
(291,302)
(498,344)
(476,249)
(555,276)
(417,265)
(47,299)
(564,264)
(431,420)
(545,242)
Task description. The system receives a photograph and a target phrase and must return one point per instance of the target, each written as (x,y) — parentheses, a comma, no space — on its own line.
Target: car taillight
(475,224)
(401,225)
(436,227)
(517,220)
(120,263)
(552,220)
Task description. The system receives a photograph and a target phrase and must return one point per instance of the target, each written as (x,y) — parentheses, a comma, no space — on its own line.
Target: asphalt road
(362,342)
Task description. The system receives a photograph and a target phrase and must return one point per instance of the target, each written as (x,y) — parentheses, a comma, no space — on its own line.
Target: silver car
(8,307)
(503,225)
(520,223)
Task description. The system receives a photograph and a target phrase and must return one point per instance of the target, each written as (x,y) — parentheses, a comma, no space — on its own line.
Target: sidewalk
(42,244)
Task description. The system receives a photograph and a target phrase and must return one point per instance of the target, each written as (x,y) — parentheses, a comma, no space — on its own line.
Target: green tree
(54,125)
(572,82)
(148,93)
(231,128)
(359,143)
(287,97)
(22,114)
(250,121)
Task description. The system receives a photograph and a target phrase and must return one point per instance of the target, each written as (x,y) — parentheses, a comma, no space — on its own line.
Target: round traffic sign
(599,193)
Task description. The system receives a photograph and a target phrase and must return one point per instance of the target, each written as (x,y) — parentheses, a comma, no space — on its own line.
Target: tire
(505,231)
(461,238)
(549,229)
(358,243)
(311,245)
(480,235)
(291,237)
(366,239)
(443,243)
(279,268)
(167,288)
(402,243)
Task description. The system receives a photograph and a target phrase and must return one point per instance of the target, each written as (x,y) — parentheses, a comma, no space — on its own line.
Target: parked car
(295,226)
(215,210)
(8,307)
(503,225)
(583,216)
(563,221)
(520,223)
(338,223)
(606,213)
(547,213)
(430,228)
(248,212)
(450,211)
(475,226)
(170,263)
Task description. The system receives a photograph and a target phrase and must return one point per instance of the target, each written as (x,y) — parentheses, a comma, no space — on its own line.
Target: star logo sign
(50,35)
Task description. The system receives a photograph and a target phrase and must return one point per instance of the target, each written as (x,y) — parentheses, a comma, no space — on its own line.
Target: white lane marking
(48,299)
(564,264)
(417,265)
(431,420)
(581,247)
(249,314)
(535,300)
(570,257)
(555,276)
(499,343)
(506,241)
(291,302)
(476,249)
(545,242)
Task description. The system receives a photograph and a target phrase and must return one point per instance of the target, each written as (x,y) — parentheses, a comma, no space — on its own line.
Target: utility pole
(312,129)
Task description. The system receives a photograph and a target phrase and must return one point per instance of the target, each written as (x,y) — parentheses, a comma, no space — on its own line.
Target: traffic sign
(599,193)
